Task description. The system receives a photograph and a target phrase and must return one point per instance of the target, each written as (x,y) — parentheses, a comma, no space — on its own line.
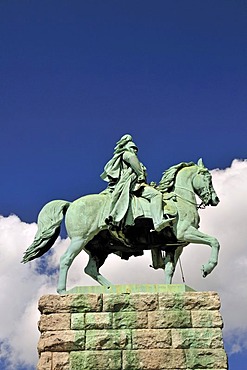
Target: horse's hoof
(61,291)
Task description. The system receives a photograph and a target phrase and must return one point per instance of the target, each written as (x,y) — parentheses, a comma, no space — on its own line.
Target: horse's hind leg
(92,269)
(169,266)
(157,259)
(75,247)
(166,263)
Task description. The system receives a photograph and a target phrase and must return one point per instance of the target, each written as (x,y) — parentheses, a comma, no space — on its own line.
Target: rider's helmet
(124,143)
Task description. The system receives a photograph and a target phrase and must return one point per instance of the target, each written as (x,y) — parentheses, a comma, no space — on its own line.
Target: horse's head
(202,184)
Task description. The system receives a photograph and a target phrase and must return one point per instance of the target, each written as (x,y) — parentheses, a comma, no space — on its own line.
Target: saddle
(139,210)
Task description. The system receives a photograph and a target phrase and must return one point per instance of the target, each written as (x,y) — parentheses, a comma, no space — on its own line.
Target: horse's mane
(168,177)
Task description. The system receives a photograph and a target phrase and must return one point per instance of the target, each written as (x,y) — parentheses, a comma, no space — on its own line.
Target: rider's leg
(156,207)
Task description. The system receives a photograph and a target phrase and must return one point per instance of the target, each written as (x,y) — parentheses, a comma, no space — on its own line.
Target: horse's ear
(200,163)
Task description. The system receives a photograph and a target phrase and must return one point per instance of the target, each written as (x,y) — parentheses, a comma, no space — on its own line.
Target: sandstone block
(206,359)
(101,320)
(52,303)
(86,303)
(206,319)
(197,338)
(189,301)
(108,339)
(60,361)
(169,319)
(154,359)
(62,341)
(78,321)
(171,301)
(45,361)
(130,302)
(201,300)
(131,320)
(96,360)
(56,321)
(151,338)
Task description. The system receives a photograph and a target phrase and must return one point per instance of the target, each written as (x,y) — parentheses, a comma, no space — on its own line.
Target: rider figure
(127,175)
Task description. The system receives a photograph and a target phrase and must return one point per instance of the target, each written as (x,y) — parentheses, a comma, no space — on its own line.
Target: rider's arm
(134,163)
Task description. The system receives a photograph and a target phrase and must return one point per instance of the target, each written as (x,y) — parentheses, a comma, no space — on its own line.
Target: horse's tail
(49,223)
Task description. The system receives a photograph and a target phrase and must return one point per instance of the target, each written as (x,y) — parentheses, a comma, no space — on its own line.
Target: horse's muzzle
(214,201)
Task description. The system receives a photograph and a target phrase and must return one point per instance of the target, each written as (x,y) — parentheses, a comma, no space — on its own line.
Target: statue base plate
(132,288)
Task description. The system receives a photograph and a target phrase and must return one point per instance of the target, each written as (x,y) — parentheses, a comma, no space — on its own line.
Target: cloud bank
(22,285)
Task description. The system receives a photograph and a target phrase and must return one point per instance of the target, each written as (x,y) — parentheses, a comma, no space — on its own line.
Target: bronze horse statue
(179,185)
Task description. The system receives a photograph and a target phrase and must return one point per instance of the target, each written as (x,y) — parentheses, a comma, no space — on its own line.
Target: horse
(88,231)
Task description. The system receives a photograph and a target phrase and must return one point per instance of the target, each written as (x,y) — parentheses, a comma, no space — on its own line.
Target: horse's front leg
(192,235)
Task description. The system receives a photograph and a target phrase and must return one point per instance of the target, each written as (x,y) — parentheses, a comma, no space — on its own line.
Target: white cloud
(22,285)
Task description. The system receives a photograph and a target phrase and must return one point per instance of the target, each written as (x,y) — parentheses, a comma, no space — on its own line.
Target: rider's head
(131,147)
(125,143)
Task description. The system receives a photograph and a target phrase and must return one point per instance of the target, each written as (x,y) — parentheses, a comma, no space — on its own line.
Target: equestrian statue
(131,216)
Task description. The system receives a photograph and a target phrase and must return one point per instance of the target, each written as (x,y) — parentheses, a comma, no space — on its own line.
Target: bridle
(206,193)
(202,205)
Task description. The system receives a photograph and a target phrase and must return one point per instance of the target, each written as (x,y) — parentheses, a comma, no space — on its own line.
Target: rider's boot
(166,222)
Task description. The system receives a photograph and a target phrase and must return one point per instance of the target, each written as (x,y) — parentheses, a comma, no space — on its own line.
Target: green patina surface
(86,302)
(169,319)
(92,360)
(131,320)
(206,358)
(77,321)
(198,338)
(130,210)
(79,339)
(132,288)
(101,320)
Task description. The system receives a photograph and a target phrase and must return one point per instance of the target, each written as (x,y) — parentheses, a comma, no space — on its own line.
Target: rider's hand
(141,179)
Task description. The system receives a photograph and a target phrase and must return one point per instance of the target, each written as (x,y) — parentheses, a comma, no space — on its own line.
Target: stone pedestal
(123,329)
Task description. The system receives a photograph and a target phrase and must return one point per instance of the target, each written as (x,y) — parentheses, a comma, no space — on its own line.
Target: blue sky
(77,75)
